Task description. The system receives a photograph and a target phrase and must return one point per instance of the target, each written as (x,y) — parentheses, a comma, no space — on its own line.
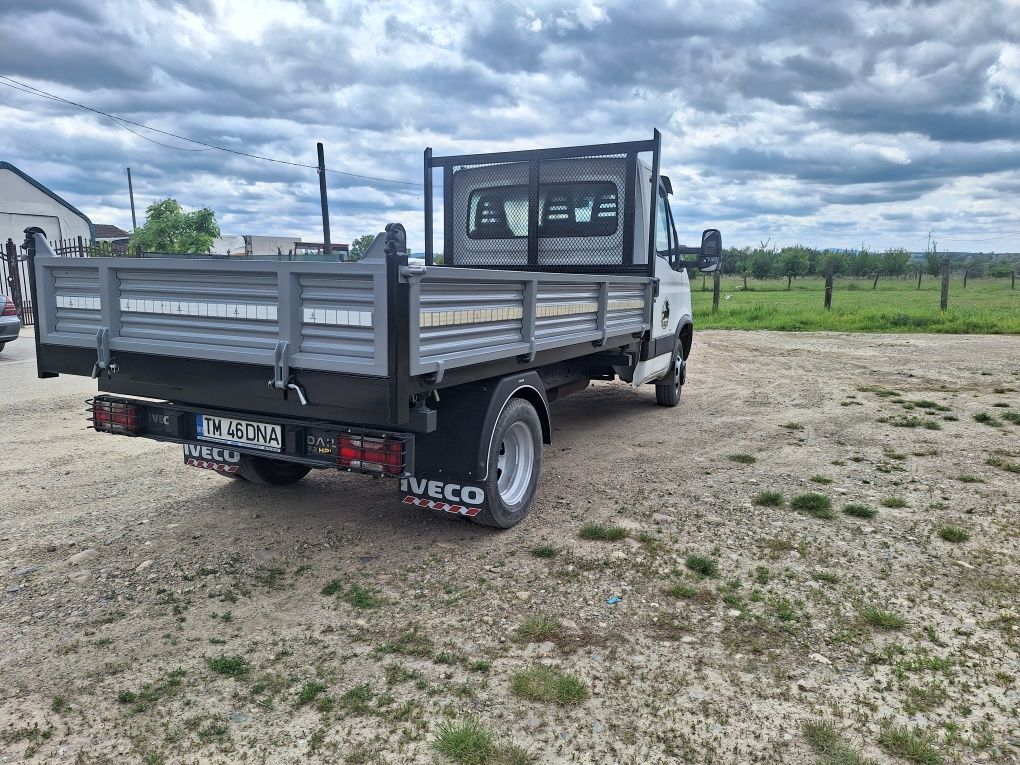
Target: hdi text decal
(451,492)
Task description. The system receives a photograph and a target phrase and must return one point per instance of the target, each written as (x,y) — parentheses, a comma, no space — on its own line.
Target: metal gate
(14,272)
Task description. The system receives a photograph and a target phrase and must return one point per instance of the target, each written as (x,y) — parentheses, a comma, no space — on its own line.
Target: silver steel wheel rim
(515,463)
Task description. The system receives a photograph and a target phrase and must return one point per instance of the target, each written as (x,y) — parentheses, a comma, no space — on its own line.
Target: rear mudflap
(212,458)
(448,496)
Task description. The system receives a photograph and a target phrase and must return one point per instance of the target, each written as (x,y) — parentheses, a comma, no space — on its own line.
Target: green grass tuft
(702,564)
(821,479)
(1011,416)
(539,627)
(600,533)
(986,419)
(860,511)
(830,746)
(769,499)
(999,462)
(309,692)
(466,743)
(954,534)
(886,620)
(812,503)
(895,502)
(231,666)
(362,597)
(909,743)
(542,683)
(743,459)
(544,551)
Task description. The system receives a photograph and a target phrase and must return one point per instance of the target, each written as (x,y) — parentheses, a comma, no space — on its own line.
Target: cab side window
(662,238)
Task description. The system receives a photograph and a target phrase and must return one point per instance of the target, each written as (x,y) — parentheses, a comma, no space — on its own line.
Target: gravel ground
(156,613)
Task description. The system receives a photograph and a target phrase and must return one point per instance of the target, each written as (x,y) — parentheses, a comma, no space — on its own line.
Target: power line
(990,239)
(123,122)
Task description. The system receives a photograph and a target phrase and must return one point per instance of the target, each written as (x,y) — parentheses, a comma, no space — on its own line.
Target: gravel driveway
(156,613)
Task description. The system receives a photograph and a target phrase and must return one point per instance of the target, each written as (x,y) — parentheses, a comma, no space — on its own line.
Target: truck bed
(359,338)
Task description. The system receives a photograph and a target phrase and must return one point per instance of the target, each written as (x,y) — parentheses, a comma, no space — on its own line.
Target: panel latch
(103,362)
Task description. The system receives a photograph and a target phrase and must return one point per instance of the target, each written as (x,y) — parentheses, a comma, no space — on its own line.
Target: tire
(270,472)
(515,462)
(668,389)
(2,346)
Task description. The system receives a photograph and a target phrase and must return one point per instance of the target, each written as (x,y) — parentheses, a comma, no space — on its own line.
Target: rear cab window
(577,209)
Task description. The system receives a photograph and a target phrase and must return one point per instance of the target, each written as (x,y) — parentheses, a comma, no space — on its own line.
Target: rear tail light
(9,309)
(115,417)
(370,455)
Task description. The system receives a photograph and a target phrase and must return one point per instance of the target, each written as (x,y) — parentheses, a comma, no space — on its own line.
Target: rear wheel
(270,472)
(667,390)
(515,461)
(2,346)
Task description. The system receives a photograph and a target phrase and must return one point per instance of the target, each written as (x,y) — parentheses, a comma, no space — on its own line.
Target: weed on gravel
(1011,416)
(895,502)
(954,534)
(231,666)
(702,564)
(821,479)
(1003,464)
(538,628)
(471,743)
(769,499)
(544,551)
(309,692)
(542,683)
(830,746)
(814,504)
(986,419)
(911,744)
(858,510)
(599,533)
(743,459)
(886,620)
(909,421)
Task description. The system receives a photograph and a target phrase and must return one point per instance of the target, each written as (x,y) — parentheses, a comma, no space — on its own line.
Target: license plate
(252,435)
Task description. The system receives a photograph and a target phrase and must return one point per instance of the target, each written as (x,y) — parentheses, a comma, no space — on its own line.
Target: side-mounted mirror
(711,251)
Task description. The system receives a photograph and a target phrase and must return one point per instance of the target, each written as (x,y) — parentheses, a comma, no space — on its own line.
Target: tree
(360,246)
(793,261)
(169,229)
(895,261)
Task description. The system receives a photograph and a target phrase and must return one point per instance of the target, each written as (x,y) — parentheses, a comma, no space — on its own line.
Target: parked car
(10,324)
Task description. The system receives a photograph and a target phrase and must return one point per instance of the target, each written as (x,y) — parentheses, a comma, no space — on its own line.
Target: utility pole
(131,193)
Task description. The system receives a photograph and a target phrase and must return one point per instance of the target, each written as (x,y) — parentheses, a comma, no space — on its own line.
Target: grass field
(986,306)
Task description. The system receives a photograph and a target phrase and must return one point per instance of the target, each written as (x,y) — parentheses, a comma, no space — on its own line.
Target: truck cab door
(672,306)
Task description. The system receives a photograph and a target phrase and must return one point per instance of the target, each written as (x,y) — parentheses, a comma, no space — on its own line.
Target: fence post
(13,277)
(919,272)
(1012,282)
(81,247)
(828,285)
(944,302)
(716,279)
(965,278)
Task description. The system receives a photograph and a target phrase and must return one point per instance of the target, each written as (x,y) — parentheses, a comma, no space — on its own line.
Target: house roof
(106,231)
(47,192)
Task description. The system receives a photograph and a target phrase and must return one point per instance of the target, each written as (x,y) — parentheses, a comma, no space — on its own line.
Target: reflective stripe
(80,302)
(203,309)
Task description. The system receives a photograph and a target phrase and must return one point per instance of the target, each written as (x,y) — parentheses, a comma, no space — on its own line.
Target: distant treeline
(764,262)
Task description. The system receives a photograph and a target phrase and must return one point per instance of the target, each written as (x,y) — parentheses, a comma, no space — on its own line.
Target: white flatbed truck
(558,267)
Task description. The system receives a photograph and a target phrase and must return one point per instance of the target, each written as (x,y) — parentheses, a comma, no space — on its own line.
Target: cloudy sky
(829,124)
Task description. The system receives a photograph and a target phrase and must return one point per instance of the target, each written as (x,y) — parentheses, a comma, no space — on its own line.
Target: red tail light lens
(115,417)
(9,309)
(371,455)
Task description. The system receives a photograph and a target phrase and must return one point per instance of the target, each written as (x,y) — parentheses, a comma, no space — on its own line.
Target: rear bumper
(10,328)
(308,442)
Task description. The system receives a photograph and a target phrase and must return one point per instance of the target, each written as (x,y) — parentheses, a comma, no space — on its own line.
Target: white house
(25,202)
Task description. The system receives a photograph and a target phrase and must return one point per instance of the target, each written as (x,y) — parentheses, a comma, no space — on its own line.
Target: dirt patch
(156,613)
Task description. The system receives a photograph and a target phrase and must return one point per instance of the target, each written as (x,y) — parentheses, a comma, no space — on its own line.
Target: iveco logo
(159,419)
(212,453)
(451,492)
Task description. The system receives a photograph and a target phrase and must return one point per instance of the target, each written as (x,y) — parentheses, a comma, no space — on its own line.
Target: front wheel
(515,461)
(270,472)
(667,390)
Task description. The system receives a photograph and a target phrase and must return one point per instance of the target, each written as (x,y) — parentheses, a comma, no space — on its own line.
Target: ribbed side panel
(339,316)
(464,317)
(236,310)
(626,307)
(566,309)
(76,296)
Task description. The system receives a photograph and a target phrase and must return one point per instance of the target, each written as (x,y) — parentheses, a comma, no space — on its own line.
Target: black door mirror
(711,250)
